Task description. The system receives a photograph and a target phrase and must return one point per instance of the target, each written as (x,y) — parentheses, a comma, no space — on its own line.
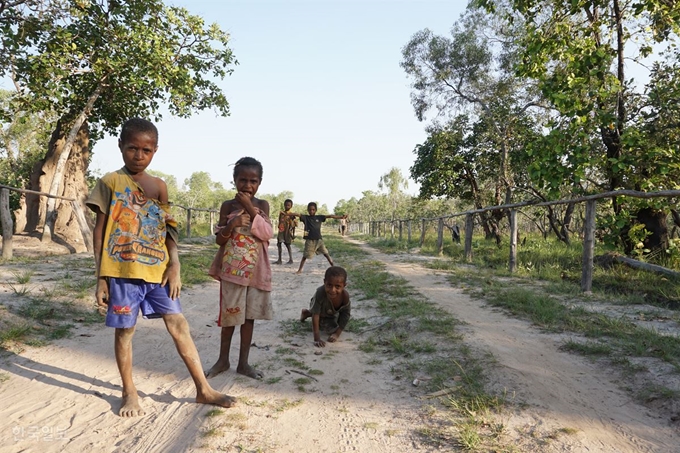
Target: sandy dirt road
(64,397)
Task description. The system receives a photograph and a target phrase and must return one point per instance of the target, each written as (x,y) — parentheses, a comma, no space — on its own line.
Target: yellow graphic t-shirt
(134,238)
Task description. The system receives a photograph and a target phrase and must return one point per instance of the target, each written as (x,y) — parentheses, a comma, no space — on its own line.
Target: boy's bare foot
(216,369)
(277,262)
(250,372)
(130,407)
(304,314)
(216,398)
(290,262)
(298,272)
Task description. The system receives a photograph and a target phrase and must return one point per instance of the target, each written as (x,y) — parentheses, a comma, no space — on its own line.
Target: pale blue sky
(318,96)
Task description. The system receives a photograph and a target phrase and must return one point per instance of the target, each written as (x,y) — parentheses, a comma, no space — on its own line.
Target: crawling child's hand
(319,344)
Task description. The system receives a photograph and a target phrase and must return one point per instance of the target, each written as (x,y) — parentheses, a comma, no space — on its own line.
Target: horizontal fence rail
(379,228)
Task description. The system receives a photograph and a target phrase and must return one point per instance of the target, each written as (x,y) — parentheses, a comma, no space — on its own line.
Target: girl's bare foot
(277,262)
(216,369)
(130,407)
(249,371)
(216,398)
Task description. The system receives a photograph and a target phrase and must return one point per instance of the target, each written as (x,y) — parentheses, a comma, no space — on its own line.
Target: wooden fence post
(7,224)
(400,230)
(469,226)
(512,265)
(408,229)
(84,227)
(440,236)
(212,222)
(422,233)
(588,247)
(188,222)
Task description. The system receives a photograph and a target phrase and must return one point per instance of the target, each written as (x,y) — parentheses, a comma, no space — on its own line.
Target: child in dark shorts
(313,241)
(330,307)
(137,265)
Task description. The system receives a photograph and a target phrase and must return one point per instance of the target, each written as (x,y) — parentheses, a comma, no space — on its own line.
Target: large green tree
(96,63)
(394,183)
(578,52)
(469,75)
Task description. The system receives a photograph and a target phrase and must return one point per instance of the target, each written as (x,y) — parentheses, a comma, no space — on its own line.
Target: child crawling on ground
(330,308)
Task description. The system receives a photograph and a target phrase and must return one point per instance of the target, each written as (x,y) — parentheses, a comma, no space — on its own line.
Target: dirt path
(560,389)
(64,397)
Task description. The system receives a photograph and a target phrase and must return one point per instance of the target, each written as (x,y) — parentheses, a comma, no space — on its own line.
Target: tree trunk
(655,223)
(66,227)
(62,159)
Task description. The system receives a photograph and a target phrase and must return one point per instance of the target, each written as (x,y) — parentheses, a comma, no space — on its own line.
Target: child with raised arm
(330,308)
(286,232)
(313,241)
(242,266)
(137,265)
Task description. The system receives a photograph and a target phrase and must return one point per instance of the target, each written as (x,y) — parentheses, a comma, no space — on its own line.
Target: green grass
(195,264)
(620,334)
(285,404)
(214,412)
(14,333)
(23,276)
(290,361)
(54,310)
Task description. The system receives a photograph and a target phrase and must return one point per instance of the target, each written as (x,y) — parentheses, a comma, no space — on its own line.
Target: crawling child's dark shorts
(128,295)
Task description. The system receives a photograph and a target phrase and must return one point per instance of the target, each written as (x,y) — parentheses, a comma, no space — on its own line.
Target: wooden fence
(379,227)
(212,212)
(189,216)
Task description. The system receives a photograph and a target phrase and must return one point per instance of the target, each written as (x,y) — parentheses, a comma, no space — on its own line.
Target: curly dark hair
(248,162)
(135,126)
(335,271)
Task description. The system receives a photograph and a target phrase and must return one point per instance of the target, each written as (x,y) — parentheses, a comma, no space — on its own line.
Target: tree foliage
(605,133)
(142,54)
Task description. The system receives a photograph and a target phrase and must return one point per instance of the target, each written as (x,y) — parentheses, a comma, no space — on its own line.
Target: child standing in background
(313,241)
(286,232)
(242,266)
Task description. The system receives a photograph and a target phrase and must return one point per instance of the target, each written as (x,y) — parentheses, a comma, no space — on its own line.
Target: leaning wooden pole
(588,247)
(7,224)
(82,223)
(512,265)
(469,226)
